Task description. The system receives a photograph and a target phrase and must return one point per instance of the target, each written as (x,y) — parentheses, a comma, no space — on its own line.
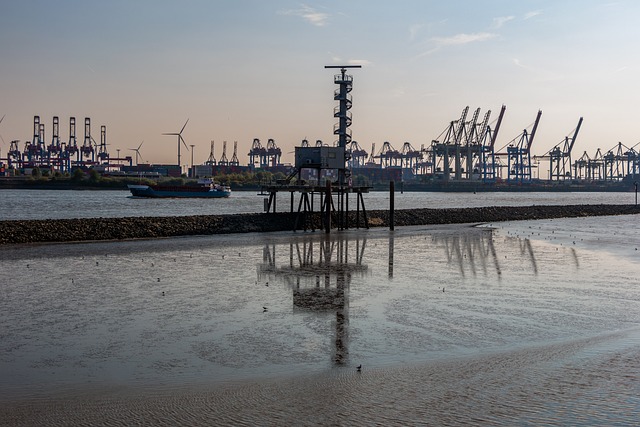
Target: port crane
(488,165)
(519,154)
(560,158)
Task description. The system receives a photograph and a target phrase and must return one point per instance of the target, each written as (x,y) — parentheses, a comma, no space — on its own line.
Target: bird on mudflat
(359,368)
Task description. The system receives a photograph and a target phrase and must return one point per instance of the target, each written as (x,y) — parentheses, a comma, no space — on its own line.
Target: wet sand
(453,325)
(577,383)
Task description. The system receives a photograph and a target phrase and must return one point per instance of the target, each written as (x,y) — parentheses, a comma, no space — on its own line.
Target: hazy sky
(249,69)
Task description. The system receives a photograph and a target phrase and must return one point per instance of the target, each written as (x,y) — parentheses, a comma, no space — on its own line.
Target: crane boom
(533,131)
(495,132)
(460,129)
(575,135)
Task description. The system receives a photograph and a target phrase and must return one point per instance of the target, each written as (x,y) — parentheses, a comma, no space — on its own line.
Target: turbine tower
(180,139)
(137,150)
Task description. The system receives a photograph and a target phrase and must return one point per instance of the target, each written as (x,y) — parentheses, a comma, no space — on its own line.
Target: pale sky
(248,69)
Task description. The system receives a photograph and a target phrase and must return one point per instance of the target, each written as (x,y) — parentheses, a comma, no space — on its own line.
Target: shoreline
(418,385)
(128,228)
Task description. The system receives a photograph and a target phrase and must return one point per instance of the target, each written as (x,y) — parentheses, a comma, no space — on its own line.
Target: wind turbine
(180,138)
(137,150)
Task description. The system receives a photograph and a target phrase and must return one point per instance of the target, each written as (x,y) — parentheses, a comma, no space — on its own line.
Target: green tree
(78,175)
(94,176)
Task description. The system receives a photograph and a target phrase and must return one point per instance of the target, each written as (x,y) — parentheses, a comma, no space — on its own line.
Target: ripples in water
(453,325)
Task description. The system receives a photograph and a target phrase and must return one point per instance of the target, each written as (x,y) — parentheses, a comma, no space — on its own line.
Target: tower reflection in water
(319,271)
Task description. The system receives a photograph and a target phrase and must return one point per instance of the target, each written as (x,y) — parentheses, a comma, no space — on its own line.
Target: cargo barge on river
(205,188)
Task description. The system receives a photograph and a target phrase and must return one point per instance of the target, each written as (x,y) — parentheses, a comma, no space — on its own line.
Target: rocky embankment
(88,229)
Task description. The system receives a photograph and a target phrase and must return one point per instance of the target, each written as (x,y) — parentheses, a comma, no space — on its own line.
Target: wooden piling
(328,200)
(392,207)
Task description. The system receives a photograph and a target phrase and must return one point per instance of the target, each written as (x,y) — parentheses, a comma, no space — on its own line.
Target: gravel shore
(91,229)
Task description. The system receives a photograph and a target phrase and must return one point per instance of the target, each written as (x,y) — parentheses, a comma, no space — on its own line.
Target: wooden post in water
(327,200)
(392,207)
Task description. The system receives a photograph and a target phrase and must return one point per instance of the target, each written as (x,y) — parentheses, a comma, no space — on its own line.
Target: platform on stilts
(332,202)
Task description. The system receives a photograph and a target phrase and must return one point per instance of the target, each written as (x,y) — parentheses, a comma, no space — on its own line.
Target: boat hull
(177,192)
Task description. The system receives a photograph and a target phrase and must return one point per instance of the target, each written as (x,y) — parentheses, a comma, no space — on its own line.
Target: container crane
(560,158)
(488,165)
(519,155)
(211,161)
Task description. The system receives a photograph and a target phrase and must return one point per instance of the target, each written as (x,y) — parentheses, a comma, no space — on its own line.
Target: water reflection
(471,251)
(475,251)
(319,272)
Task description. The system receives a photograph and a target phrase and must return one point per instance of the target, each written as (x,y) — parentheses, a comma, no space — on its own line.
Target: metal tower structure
(273,153)
(341,112)
(519,155)
(488,165)
(211,161)
(32,148)
(103,155)
(234,159)
(72,145)
(357,154)
(87,148)
(54,148)
(560,158)
(257,154)
(223,160)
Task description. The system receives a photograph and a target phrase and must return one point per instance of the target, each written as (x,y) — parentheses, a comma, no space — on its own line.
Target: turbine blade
(185,125)
(2,118)
(171,134)
(140,145)
(185,144)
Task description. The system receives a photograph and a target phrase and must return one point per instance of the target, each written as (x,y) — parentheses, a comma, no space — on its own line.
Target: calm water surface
(522,323)
(44,204)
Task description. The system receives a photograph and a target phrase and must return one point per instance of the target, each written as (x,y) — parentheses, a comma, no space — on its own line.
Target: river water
(49,204)
(518,323)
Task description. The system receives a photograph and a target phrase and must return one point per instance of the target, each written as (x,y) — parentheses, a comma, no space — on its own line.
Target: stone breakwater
(89,229)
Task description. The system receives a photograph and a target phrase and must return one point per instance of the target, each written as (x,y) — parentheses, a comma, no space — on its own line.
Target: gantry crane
(560,158)
(519,154)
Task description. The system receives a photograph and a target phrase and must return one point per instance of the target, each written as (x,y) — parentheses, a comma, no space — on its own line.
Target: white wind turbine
(137,150)
(180,139)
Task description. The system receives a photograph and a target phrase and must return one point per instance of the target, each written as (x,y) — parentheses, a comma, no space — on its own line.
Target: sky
(245,69)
